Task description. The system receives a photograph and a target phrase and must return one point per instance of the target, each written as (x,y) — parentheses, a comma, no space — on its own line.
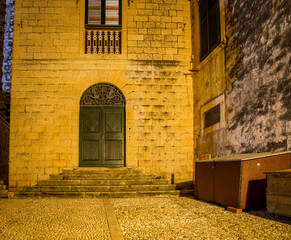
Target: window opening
(209,26)
(212,116)
(103,20)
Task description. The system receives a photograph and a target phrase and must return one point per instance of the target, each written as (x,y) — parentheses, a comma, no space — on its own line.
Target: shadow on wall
(258,76)
(4,150)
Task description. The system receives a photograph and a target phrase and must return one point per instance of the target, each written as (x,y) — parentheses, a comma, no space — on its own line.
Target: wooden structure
(238,181)
(279,192)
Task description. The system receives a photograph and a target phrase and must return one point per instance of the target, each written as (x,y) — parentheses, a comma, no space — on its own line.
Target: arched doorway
(102,127)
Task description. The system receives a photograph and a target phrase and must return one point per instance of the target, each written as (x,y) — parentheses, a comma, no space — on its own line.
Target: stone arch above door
(102,127)
(103,94)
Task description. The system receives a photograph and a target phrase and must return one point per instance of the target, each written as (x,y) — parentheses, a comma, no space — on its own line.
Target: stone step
(120,182)
(3,193)
(187,192)
(125,188)
(99,182)
(95,194)
(86,171)
(103,176)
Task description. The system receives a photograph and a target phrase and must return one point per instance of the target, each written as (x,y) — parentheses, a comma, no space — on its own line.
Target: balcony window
(103,27)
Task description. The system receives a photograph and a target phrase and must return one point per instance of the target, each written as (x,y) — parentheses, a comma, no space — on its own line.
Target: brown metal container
(238,181)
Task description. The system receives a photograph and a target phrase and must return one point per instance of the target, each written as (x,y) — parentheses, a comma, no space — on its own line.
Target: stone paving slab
(138,218)
(53,219)
(187,218)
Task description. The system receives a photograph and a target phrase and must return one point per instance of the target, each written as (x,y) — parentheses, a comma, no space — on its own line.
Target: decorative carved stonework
(102,94)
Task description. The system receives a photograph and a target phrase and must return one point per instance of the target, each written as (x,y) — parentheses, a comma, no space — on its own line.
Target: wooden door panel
(113,150)
(114,136)
(90,135)
(91,150)
(102,137)
(91,121)
(113,122)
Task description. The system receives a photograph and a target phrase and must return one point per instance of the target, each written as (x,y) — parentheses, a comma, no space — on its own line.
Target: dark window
(212,116)
(209,26)
(106,13)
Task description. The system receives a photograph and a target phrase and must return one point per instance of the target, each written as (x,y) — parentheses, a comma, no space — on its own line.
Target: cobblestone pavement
(139,218)
(53,219)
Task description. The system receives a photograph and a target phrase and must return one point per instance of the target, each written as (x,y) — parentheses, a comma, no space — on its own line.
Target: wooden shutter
(112,12)
(103,12)
(94,12)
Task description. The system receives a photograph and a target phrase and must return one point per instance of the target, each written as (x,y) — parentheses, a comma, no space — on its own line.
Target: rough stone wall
(251,67)
(51,72)
(259,101)
(7,46)
(4,150)
(159,48)
(4,95)
(4,105)
(2,29)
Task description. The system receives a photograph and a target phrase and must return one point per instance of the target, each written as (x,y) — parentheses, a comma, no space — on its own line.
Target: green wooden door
(101,137)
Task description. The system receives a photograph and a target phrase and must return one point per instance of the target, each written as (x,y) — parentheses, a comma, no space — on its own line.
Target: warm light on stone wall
(51,72)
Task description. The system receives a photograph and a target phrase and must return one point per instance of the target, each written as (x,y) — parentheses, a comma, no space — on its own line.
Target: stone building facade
(132,75)
(59,55)
(242,87)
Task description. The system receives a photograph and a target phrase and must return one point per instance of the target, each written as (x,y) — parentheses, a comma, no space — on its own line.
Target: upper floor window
(103,27)
(106,13)
(209,26)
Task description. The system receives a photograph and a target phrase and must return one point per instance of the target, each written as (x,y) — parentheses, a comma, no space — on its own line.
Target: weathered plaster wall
(251,67)
(209,82)
(259,99)
(51,72)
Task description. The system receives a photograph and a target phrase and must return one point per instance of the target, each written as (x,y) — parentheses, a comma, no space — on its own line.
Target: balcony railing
(103,41)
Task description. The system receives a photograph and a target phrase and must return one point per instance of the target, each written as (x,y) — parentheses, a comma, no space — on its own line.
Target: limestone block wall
(250,70)
(51,71)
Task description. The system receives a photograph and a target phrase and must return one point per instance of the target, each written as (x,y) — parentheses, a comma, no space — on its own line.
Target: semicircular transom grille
(102,94)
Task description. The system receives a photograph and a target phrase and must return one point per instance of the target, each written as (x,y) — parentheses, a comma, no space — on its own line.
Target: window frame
(203,55)
(103,17)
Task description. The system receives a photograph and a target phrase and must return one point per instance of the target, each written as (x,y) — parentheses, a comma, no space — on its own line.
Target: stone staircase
(3,190)
(100,182)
